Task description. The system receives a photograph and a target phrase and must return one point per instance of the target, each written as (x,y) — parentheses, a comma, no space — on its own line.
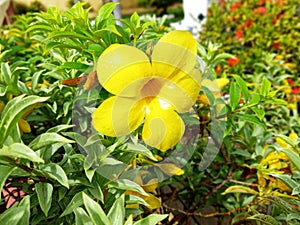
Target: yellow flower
(151,89)
(24,126)
(170,169)
(152,201)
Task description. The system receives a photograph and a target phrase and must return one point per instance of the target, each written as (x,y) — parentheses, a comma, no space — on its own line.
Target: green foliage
(42,156)
(255,176)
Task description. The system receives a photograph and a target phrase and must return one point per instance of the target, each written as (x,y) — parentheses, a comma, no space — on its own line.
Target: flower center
(151,88)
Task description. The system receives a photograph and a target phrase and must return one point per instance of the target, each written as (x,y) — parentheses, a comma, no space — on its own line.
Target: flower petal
(170,169)
(163,127)
(120,66)
(213,86)
(118,116)
(175,51)
(181,90)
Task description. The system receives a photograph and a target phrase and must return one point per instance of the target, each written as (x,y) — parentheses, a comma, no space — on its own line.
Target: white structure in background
(195,12)
(117,11)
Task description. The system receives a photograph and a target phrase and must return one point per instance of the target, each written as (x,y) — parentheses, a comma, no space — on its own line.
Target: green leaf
(240,189)
(276,101)
(106,10)
(293,216)
(284,205)
(39,27)
(235,95)
(26,203)
(265,87)
(5,171)
(96,191)
(296,191)
(44,193)
(81,217)
(254,100)
(223,56)
(95,212)
(243,85)
(129,220)
(139,149)
(250,118)
(5,73)
(15,216)
(59,128)
(265,219)
(55,172)
(260,113)
(286,179)
(35,80)
(14,111)
(76,202)
(288,140)
(46,139)
(151,219)
(74,65)
(20,151)
(292,156)
(116,214)
(124,184)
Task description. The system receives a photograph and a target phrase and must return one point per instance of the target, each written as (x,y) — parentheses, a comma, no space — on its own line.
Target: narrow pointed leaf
(116,213)
(44,192)
(95,212)
(13,112)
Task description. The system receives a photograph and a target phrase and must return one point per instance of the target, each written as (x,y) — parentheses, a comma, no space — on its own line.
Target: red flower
(248,23)
(276,45)
(260,10)
(290,81)
(218,69)
(235,6)
(239,34)
(233,61)
(295,90)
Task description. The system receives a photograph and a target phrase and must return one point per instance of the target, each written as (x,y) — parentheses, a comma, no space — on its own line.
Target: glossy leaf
(95,212)
(20,151)
(46,139)
(250,118)
(75,202)
(116,214)
(235,95)
(240,189)
(81,217)
(55,172)
(264,219)
(265,87)
(44,193)
(14,111)
(5,171)
(151,219)
(243,85)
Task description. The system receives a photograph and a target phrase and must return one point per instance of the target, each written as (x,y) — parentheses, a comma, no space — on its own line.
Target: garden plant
(136,123)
